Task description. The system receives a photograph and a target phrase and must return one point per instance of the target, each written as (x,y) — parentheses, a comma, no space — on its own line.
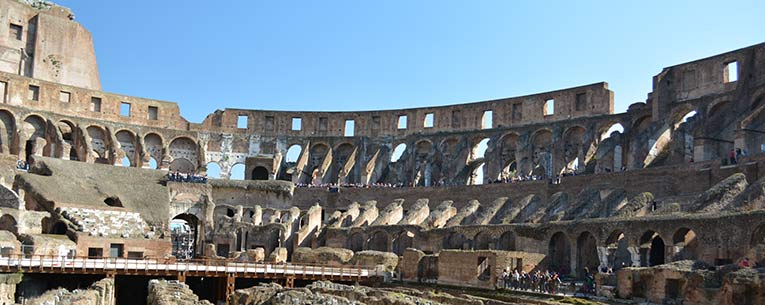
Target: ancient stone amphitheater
(663,203)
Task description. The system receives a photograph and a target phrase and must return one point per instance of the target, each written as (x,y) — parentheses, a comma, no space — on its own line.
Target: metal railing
(172,266)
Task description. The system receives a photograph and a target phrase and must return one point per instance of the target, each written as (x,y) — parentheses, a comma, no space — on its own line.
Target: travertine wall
(45,43)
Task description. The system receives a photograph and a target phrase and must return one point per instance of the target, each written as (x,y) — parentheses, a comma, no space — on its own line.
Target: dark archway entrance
(652,249)
(260,173)
(559,254)
(586,254)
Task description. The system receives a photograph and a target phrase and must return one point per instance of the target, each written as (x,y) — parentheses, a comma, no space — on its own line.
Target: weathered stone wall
(100,293)
(46,43)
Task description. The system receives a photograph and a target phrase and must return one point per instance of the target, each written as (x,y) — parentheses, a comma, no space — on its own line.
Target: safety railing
(148,265)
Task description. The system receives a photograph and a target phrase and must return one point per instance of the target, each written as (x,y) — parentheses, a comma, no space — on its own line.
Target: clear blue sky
(363,55)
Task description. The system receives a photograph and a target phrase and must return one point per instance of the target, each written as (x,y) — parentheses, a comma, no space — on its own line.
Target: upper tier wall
(583,101)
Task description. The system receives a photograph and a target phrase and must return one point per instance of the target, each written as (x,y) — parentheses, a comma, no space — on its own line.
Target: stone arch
(213,170)
(454,240)
(446,165)
(237,172)
(68,132)
(423,149)
(508,151)
(379,241)
(316,162)
(127,140)
(182,166)
(607,129)
(506,241)
(403,240)
(98,144)
(397,152)
(260,173)
(685,244)
(153,145)
(8,223)
(35,127)
(652,249)
(293,153)
(574,151)
(617,247)
(184,230)
(340,156)
(559,253)
(587,259)
(356,242)
(483,241)
(184,153)
(542,153)
(7,132)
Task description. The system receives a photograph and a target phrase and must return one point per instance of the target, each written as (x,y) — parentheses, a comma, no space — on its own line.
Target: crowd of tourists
(184,177)
(537,281)
(543,281)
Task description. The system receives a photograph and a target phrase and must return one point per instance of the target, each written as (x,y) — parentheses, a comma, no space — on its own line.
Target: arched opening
(342,164)
(213,170)
(587,254)
(7,131)
(260,173)
(316,163)
(686,245)
(125,162)
(483,241)
(618,253)
(293,153)
(509,148)
(127,145)
(652,249)
(479,149)
(615,127)
(34,127)
(184,149)
(67,131)
(397,152)
(182,166)
(8,223)
(380,241)
(506,241)
(153,144)
(685,118)
(356,242)
(183,235)
(454,241)
(237,172)
(402,241)
(559,254)
(573,150)
(477,163)
(542,158)
(98,144)
(230,212)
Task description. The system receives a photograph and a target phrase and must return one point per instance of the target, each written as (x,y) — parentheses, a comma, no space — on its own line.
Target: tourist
(744,263)
(732,156)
